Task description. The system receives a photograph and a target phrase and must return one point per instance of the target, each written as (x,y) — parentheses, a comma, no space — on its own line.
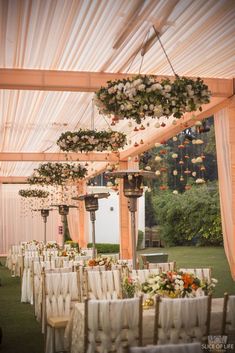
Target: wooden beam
(61,157)
(13,180)
(52,80)
(172,130)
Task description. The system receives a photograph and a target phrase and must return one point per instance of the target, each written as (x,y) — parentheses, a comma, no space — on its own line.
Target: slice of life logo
(218,344)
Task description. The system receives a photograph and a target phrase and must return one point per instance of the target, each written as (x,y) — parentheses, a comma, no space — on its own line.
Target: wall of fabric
(14,227)
(225,143)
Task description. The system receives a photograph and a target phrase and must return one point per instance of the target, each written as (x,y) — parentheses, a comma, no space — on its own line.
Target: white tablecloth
(74,333)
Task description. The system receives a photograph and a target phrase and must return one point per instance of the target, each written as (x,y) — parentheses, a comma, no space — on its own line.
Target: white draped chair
(60,291)
(228,318)
(163,267)
(182,320)
(169,348)
(142,275)
(112,325)
(104,284)
(201,273)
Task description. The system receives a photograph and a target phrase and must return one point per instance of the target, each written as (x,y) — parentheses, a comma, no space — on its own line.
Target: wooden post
(82,217)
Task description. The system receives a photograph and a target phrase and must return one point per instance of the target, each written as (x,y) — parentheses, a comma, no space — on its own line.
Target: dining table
(74,332)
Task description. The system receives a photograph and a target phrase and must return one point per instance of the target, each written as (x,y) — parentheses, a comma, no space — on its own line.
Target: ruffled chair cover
(113,334)
(169,348)
(61,290)
(182,320)
(104,284)
(163,267)
(231,311)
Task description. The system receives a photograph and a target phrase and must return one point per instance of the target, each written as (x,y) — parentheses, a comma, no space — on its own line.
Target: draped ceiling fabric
(16,227)
(225,141)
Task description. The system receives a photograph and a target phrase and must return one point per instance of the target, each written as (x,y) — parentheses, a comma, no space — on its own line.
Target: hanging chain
(142,46)
(157,34)
(92,115)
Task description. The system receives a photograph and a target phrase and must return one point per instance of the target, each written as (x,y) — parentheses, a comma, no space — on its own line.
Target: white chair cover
(101,314)
(182,318)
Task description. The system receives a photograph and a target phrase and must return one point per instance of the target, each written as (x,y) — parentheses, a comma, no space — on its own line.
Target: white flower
(158,172)
(156,86)
(167,88)
(137,82)
(158,158)
(175,192)
(174,155)
(141,87)
(199,142)
(175,172)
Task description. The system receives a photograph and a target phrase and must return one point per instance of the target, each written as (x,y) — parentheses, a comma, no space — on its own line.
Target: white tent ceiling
(100,36)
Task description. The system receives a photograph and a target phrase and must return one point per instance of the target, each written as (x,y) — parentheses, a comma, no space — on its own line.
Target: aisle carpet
(21,333)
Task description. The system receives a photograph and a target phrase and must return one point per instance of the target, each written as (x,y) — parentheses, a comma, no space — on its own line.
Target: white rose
(167,88)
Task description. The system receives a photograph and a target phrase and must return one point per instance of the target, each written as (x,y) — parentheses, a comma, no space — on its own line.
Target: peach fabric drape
(15,226)
(73,224)
(224,128)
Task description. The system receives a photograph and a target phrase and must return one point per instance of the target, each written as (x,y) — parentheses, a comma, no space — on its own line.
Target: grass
(213,257)
(21,331)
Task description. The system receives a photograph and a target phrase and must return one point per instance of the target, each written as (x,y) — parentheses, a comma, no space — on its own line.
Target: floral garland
(91,140)
(34,193)
(57,173)
(143,96)
(177,284)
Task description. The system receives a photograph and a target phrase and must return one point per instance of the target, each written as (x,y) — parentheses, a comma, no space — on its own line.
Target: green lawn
(21,331)
(191,257)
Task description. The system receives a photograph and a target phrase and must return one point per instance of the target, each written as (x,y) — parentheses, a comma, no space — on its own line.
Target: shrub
(190,218)
(140,240)
(105,248)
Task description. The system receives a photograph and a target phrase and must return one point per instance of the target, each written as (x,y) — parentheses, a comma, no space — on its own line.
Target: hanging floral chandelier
(143,96)
(57,173)
(91,140)
(34,193)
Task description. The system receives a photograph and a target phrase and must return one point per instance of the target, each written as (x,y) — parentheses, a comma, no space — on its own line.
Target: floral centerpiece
(106,261)
(57,173)
(91,140)
(129,287)
(70,253)
(142,96)
(176,285)
(34,193)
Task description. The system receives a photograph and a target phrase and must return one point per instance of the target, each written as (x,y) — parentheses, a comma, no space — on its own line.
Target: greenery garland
(57,173)
(91,140)
(142,96)
(33,193)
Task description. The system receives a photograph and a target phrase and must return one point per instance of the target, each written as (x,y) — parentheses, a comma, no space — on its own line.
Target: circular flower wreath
(57,173)
(143,96)
(90,140)
(34,193)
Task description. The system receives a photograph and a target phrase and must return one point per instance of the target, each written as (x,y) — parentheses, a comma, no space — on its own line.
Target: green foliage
(105,248)
(140,239)
(73,244)
(150,214)
(190,218)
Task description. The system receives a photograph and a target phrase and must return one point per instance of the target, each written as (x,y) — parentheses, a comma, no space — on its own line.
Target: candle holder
(92,205)
(63,211)
(132,188)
